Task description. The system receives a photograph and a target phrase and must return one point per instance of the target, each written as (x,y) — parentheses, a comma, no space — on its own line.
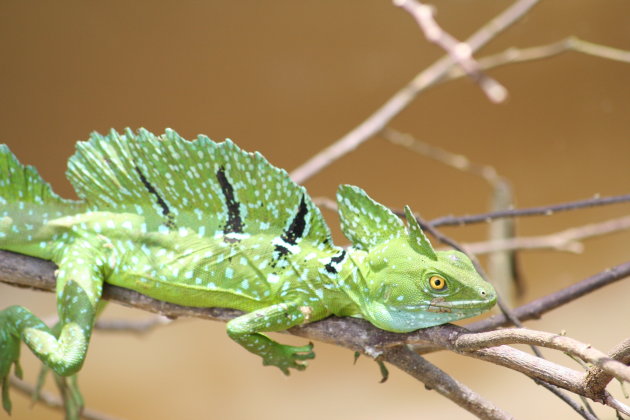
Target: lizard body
(206,224)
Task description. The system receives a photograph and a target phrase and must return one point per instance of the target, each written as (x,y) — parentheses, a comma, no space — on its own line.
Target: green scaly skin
(208,225)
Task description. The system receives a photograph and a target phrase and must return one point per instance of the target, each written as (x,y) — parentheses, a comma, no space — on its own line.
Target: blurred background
(287,78)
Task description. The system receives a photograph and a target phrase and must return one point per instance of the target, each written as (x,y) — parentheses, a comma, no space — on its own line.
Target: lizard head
(406,284)
(408,290)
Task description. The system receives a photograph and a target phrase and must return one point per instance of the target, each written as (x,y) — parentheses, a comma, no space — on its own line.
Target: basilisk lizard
(206,224)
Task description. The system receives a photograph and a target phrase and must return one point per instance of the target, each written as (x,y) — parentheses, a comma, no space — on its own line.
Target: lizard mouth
(439,305)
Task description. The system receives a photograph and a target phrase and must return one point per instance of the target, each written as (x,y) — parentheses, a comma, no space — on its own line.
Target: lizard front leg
(246,329)
(79,285)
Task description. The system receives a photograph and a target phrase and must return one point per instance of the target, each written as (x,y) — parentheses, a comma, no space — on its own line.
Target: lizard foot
(285,357)
(9,355)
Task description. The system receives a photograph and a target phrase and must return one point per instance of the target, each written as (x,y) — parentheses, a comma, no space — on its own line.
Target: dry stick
(351,333)
(520,55)
(53,401)
(538,369)
(510,56)
(548,340)
(379,119)
(538,307)
(435,378)
(596,378)
(565,240)
(531,211)
(459,51)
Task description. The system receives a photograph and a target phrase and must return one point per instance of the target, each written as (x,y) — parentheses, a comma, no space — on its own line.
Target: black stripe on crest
(234,222)
(294,232)
(165,210)
(298,224)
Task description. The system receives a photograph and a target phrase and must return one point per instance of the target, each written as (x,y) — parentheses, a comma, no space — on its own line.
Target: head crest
(417,238)
(364,221)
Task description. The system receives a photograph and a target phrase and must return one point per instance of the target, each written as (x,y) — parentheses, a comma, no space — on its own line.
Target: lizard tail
(27,203)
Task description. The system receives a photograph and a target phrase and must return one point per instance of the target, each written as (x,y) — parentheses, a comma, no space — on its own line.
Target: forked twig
(460,52)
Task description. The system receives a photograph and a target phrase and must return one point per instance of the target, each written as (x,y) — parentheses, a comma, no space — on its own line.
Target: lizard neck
(346,292)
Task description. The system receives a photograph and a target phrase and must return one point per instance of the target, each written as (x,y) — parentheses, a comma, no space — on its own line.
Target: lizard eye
(437,283)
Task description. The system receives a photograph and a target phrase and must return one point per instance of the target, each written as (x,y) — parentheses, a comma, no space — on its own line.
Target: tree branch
(548,340)
(521,55)
(435,378)
(531,211)
(355,334)
(540,306)
(565,240)
(401,99)
(597,378)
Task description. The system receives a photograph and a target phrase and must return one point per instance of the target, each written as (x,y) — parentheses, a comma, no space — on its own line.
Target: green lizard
(206,224)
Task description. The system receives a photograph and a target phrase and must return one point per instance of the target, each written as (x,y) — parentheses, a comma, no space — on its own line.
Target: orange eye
(437,283)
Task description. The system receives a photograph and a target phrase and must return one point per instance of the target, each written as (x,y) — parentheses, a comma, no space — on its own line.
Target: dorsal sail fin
(213,188)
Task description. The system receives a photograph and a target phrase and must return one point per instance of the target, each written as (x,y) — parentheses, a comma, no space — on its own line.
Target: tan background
(287,78)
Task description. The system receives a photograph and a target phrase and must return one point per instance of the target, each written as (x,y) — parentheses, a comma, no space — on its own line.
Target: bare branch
(435,378)
(459,51)
(354,334)
(536,308)
(53,401)
(565,240)
(597,378)
(520,55)
(548,340)
(531,211)
(401,99)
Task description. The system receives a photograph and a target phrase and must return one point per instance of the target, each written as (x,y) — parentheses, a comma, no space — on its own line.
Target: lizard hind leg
(62,349)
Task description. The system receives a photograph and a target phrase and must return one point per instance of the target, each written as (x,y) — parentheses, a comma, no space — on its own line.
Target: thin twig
(565,240)
(536,308)
(401,99)
(520,55)
(531,211)
(459,51)
(53,401)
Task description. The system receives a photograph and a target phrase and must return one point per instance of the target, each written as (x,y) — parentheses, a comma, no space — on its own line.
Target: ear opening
(418,240)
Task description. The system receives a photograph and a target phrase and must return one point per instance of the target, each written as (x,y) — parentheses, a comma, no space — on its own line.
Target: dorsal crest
(212,188)
(418,240)
(364,221)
